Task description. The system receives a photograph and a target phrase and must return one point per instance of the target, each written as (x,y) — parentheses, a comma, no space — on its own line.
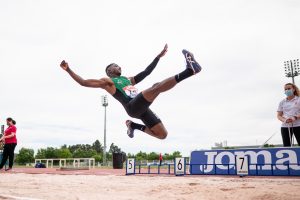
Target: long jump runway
(37,184)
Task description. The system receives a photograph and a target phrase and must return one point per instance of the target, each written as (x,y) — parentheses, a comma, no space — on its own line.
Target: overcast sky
(240,44)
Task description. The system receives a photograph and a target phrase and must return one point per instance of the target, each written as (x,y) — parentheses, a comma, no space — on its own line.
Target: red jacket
(8,131)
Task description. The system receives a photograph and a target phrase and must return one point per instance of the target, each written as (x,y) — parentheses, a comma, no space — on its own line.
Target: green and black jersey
(125,90)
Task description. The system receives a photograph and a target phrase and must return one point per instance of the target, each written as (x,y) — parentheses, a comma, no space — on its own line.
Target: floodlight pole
(104,104)
(292,72)
(291,68)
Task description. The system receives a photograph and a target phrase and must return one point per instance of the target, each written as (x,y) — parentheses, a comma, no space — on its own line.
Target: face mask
(289,92)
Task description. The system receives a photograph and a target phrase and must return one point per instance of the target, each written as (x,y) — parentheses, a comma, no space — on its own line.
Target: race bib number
(130,91)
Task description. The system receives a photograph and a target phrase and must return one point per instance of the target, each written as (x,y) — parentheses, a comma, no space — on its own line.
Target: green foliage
(63,153)
(49,152)
(82,153)
(25,156)
(114,149)
(96,151)
(176,154)
(269,145)
(83,147)
(98,158)
(78,151)
(141,156)
(97,146)
(172,156)
(108,156)
(129,155)
(153,156)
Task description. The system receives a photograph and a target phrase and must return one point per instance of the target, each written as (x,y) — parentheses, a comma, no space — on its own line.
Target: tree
(73,148)
(167,156)
(97,146)
(141,156)
(80,153)
(25,156)
(51,152)
(114,149)
(176,154)
(64,153)
(129,155)
(153,156)
(172,156)
(41,154)
(82,147)
(98,158)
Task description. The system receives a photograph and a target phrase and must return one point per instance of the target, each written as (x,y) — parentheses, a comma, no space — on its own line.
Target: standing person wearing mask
(289,114)
(10,140)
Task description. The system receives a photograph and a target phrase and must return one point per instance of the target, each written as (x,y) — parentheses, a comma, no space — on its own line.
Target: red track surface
(95,171)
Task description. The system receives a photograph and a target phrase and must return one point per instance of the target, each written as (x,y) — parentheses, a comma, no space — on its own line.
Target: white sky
(240,44)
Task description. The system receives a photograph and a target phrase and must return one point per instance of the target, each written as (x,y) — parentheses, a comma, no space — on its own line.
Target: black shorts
(138,108)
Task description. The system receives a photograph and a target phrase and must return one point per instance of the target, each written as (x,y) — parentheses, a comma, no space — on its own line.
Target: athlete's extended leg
(153,125)
(192,68)
(159,131)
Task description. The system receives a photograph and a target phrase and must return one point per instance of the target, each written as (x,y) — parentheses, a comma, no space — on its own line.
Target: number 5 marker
(130,166)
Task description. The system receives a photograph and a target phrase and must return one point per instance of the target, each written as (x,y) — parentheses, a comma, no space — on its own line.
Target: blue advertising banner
(265,161)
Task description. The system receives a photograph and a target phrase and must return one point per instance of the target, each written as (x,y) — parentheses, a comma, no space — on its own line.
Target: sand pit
(33,186)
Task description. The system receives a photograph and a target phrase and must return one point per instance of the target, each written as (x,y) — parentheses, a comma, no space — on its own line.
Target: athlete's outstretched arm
(140,76)
(101,83)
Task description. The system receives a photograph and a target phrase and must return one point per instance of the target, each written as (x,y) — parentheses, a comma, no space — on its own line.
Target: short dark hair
(108,66)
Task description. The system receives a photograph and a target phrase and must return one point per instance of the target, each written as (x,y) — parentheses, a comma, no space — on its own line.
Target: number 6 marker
(179,166)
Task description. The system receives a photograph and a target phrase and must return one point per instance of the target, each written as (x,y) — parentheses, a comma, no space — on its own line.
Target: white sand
(145,187)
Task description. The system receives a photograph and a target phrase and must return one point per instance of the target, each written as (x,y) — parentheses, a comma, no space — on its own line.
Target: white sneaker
(130,131)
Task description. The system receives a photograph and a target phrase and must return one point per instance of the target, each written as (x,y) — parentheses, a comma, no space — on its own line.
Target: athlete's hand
(289,120)
(164,51)
(64,65)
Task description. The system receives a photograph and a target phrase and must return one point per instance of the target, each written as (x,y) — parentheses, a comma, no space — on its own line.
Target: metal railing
(169,169)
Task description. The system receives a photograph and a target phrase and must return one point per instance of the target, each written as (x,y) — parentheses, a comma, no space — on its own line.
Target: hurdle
(177,167)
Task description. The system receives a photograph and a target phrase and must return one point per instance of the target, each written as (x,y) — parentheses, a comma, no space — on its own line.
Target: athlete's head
(113,70)
(293,88)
